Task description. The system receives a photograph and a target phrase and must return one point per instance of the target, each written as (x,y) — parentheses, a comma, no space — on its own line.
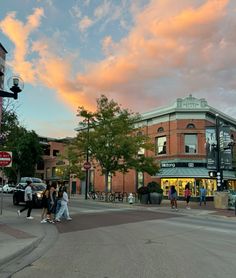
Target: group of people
(54,203)
(172,195)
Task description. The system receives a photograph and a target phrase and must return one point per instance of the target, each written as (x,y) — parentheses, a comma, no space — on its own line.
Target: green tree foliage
(24,145)
(111,138)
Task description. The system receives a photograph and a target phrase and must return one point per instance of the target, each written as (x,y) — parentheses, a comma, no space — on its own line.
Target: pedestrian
(45,204)
(28,197)
(52,202)
(202,195)
(187,195)
(59,197)
(173,197)
(64,207)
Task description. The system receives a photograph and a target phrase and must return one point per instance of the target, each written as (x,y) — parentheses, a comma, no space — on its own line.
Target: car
(8,188)
(37,188)
(32,179)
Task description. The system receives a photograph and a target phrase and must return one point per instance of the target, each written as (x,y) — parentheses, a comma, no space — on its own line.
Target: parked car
(32,179)
(8,188)
(37,188)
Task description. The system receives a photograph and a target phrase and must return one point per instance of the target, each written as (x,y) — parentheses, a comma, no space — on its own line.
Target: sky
(143,54)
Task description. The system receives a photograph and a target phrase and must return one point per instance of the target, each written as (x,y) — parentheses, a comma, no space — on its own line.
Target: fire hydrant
(131,198)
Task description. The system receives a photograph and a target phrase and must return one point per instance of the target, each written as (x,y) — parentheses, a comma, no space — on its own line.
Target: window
(46,150)
(160,129)
(55,152)
(191,126)
(161,145)
(190,141)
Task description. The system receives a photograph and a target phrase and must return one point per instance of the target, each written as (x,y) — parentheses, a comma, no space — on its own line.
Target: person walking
(45,204)
(187,195)
(173,197)
(28,197)
(52,202)
(64,207)
(202,195)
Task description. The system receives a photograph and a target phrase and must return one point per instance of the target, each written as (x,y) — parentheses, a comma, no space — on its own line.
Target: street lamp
(15,85)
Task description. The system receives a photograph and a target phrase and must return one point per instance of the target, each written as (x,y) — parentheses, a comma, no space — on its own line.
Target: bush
(143,190)
(154,187)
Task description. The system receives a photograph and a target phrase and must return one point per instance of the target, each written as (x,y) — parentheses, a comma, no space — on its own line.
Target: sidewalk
(20,236)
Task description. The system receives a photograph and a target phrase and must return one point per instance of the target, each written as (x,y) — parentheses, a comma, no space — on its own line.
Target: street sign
(5,159)
(87,165)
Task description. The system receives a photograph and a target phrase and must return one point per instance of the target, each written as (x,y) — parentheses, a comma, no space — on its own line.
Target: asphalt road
(115,242)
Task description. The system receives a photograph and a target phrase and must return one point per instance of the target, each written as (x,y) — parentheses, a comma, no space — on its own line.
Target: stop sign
(87,165)
(5,159)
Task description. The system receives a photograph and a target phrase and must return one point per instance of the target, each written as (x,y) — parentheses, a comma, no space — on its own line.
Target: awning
(185,172)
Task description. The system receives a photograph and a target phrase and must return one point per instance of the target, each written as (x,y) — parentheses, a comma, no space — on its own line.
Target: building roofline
(187,105)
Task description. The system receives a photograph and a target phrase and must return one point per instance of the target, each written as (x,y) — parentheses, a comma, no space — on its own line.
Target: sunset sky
(143,54)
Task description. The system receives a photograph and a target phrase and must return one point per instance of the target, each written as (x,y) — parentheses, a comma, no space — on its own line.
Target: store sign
(168,165)
(182,164)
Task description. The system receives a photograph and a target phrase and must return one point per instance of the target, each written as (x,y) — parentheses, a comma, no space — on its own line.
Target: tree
(24,145)
(111,138)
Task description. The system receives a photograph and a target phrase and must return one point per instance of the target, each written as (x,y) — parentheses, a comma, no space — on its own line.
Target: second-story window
(161,145)
(190,141)
(55,152)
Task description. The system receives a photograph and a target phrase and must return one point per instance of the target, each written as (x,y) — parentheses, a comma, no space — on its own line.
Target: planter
(144,198)
(155,198)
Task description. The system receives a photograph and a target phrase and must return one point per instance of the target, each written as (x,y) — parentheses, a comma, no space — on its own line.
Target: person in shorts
(173,197)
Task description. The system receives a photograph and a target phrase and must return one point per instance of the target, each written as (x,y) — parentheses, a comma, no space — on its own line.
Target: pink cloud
(174,48)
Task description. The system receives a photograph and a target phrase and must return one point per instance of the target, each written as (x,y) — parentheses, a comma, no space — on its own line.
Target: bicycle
(92,195)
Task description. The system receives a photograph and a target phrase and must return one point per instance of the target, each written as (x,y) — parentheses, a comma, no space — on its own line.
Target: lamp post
(16,85)
(87,164)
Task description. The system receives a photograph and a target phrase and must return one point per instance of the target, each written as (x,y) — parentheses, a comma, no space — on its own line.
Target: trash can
(221,200)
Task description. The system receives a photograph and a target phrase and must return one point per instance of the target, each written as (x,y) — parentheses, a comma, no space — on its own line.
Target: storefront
(195,175)
(195,185)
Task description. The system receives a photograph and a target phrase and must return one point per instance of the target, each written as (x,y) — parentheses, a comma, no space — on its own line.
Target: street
(110,241)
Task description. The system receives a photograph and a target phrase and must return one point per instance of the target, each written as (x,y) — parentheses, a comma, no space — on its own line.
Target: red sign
(5,159)
(87,165)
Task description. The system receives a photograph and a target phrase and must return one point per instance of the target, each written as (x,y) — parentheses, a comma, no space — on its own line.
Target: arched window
(160,129)
(191,126)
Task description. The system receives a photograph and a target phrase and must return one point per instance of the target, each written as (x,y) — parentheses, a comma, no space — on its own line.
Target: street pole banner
(5,159)
(225,148)
(210,146)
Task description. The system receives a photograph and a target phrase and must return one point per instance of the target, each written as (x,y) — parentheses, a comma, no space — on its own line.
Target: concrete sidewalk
(19,239)
(23,241)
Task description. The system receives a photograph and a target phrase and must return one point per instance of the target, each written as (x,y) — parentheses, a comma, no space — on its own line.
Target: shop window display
(195,185)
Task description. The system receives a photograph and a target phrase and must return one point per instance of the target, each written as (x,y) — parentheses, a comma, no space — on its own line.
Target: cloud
(9,25)
(85,23)
(173,48)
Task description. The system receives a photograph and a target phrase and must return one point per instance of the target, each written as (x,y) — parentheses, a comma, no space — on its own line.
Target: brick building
(179,132)
(49,168)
